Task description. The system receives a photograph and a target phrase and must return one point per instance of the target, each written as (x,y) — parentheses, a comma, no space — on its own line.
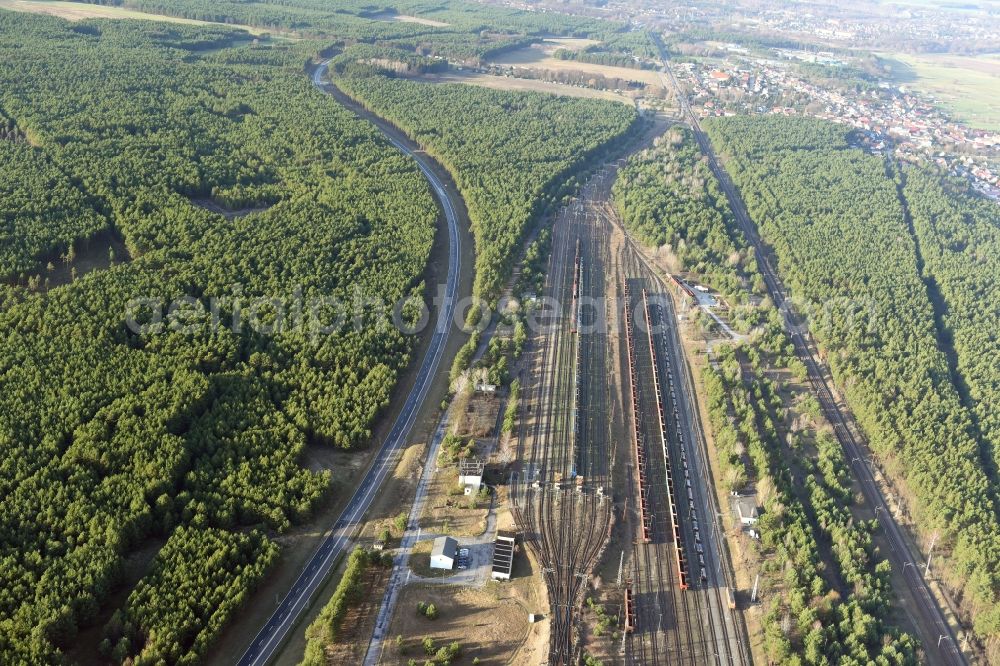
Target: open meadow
(968,86)
(539,56)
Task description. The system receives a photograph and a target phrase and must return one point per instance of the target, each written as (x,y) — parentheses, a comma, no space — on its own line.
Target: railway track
(559,504)
(670,630)
(937,635)
(689,621)
(564,447)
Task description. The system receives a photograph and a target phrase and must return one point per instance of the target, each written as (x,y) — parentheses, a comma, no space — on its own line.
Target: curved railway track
(565,453)
(558,500)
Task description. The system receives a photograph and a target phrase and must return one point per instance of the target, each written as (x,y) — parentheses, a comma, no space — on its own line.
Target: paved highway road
(284,618)
(938,639)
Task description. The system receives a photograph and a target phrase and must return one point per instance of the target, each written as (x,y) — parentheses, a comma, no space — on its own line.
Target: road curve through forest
(283,620)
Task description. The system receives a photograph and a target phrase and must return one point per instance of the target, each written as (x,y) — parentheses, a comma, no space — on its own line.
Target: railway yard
(601,300)
(499,333)
(612,466)
(611,443)
(560,494)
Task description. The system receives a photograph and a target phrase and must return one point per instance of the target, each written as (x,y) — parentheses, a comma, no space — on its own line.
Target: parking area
(473,563)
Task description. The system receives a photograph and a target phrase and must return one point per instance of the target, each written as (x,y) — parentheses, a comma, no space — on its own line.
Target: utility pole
(621,561)
(753,594)
(930,552)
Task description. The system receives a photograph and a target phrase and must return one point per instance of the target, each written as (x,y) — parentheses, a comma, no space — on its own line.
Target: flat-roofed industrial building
(503,555)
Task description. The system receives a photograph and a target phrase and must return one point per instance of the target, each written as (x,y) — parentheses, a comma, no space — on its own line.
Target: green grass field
(967,86)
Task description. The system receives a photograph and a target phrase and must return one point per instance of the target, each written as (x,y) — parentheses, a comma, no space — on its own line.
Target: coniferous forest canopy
(158,161)
(512,154)
(221,171)
(829,589)
(875,282)
(669,200)
(109,436)
(469,32)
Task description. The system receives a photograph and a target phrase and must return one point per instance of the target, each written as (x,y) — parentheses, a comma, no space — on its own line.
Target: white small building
(470,475)
(746,510)
(443,553)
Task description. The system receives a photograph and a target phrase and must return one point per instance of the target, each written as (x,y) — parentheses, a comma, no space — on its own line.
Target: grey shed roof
(746,507)
(444,545)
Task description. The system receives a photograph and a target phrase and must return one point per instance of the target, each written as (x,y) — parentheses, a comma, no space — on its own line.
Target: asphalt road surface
(270,638)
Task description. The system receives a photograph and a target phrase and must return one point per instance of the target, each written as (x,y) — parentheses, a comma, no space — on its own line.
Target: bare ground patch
(535,57)
(405,18)
(359,623)
(96,253)
(531,85)
(491,624)
(569,43)
(76,11)
(449,511)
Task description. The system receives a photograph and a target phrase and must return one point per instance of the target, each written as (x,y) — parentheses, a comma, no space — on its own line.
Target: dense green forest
(112,434)
(460,31)
(229,179)
(199,579)
(836,223)
(825,586)
(669,200)
(831,594)
(512,154)
(41,210)
(959,239)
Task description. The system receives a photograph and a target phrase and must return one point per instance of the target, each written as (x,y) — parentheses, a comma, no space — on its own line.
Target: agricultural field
(526,85)
(570,43)
(405,18)
(541,57)
(967,86)
(78,11)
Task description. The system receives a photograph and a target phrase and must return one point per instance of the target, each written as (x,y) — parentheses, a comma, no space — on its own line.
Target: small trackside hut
(443,553)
